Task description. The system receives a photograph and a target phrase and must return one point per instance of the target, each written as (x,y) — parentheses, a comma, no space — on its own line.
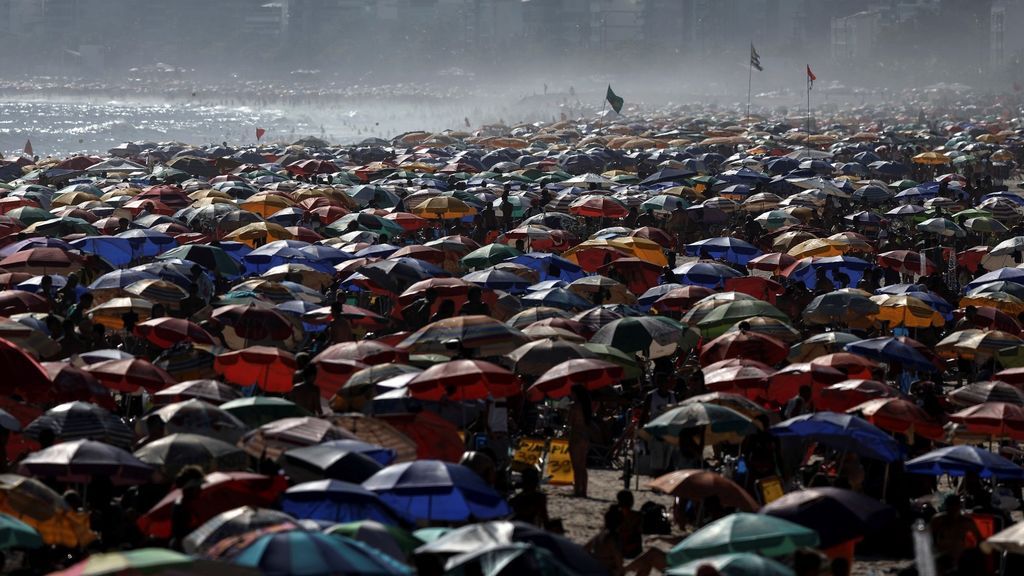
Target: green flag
(615,100)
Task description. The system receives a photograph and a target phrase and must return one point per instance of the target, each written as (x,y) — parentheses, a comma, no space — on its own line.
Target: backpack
(655,519)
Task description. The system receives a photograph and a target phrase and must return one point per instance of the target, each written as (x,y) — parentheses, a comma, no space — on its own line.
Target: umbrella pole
(885,481)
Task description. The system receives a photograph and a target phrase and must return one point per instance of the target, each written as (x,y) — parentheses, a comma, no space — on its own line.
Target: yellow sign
(529,452)
(771,489)
(559,465)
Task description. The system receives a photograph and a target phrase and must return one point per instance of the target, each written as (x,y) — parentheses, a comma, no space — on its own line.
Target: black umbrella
(837,515)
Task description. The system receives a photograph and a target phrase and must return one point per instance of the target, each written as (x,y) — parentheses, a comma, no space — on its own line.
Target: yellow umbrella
(642,248)
(931,159)
(39,506)
(259,231)
(816,247)
(1002,301)
(787,240)
(905,310)
(209,193)
(109,313)
(266,204)
(299,273)
(975,344)
(443,208)
(72,198)
(851,241)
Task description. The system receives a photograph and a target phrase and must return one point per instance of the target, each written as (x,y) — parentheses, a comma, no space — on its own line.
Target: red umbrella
(900,416)
(303,234)
(853,365)
(170,195)
(332,374)
(774,262)
(424,253)
(1013,376)
(410,222)
(991,318)
(597,206)
(844,395)
(130,375)
(993,419)
(166,332)
(460,380)
(356,316)
(557,382)
(446,289)
(638,275)
(731,362)
(366,351)
(681,299)
(786,382)
(254,322)
(19,302)
(70,383)
(307,167)
(744,344)
(271,369)
(564,324)
(905,261)
(25,377)
(328,214)
(435,437)
(219,492)
(655,235)
(759,287)
(11,279)
(971,257)
(731,378)
(41,261)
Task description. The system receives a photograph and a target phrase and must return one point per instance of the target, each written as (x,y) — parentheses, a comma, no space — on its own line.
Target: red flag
(810,77)
(28,148)
(259,133)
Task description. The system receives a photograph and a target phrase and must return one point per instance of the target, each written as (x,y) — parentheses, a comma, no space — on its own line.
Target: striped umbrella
(172,453)
(273,439)
(199,417)
(130,375)
(300,553)
(83,461)
(942,227)
(161,291)
(981,392)
(166,332)
(974,344)
(1001,209)
(482,334)
(983,225)
(271,369)
(78,420)
(211,391)
(655,336)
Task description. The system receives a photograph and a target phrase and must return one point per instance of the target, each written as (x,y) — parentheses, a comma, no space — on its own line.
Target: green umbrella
(488,256)
(985,225)
(739,564)
(259,410)
(29,215)
(744,532)
(172,453)
(720,423)
(970,213)
(903,184)
(654,336)
(775,219)
(375,533)
(664,203)
(16,534)
(718,321)
(212,258)
(941,227)
(839,307)
(627,361)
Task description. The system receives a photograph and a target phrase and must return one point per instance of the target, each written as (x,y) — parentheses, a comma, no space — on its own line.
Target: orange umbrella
(272,369)
(901,416)
(698,485)
(557,382)
(786,382)
(435,437)
(130,375)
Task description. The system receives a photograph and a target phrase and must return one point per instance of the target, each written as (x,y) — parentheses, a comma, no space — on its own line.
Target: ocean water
(65,126)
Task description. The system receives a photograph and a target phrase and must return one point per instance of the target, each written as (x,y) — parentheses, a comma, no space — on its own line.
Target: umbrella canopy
(744,532)
(837,515)
(962,460)
(151,561)
(654,336)
(536,357)
(557,381)
(302,553)
(328,461)
(81,420)
(83,461)
(232,523)
(172,453)
(256,411)
(430,490)
(337,501)
(482,334)
(273,439)
(738,564)
(39,506)
(697,485)
(459,380)
(271,369)
(717,423)
(842,432)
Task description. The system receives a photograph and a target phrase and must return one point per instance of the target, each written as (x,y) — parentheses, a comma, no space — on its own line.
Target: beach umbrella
(707,274)
(842,396)
(39,506)
(16,534)
(744,344)
(271,369)
(734,377)
(906,310)
(718,321)
(111,313)
(981,392)
(698,485)
(389,436)
(211,391)
(718,423)
(172,453)
(219,492)
(535,358)
(328,461)
(199,417)
(901,416)
(256,411)
(232,523)
(337,501)
(431,490)
(842,432)
(737,564)
(460,380)
(962,460)
(150,561)
(558,380)
(391,540)
(744,532)
(82,461)
(166,332)
(819,345)
(273,439)
(130,375)
(482,334)
(253,323)
(42,261)
(655,336)
(212,258)
(837,515)
(81,420)
(976,345)
(724,248)
(893,350)
(443,208)
(991,419)
(302,553)
(489,255)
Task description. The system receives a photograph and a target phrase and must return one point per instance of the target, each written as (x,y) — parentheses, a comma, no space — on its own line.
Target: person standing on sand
(580,413)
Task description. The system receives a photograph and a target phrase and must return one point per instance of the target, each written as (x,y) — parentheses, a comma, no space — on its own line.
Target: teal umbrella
(719,422)
(487,256)
(739,564)
(300,553)
(655,336)
(718,321)
(941,227)
(16,534)
(212,258)
(743,532)
(507,560)
(259,410)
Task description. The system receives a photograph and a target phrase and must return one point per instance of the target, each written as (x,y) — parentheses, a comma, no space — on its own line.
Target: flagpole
(808,80)
(750,76)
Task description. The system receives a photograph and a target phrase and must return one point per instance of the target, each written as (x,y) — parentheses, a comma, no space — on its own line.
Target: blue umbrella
(550,266)
(556,298)
(304,553)
(377,251)
(961,460)
(121,278)
(725,248)
(37,242)
(117,251)
(498,280)
(1015,275)
(338,501)
(891,350)
(431,490)
(708,274)
(806,270)
(546,285)
(147,243)
(326,254)
(652,294)
(842,432)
